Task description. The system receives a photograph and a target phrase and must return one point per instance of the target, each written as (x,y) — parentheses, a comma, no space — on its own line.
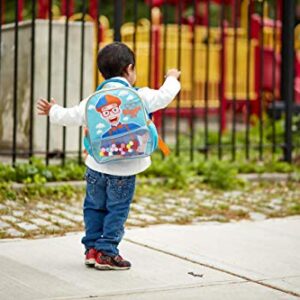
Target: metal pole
(164,64)
(65,88)
(98,39)
(207,78)
(118,20)
(221,83)
(261,68)
(287,72)
(15,93)
(177,123)
(31,132)
(135,21)
(274,62)
(150,45)
(49,81)
(82,56)
(234,81)
(248,106)
(193,92)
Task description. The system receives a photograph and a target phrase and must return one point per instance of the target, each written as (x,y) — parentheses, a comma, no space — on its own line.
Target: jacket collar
(118,83)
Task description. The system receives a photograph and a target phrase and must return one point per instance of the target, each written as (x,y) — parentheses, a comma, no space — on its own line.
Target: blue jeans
(105,210)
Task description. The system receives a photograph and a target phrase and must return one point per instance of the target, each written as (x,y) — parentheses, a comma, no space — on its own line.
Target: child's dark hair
(113,59)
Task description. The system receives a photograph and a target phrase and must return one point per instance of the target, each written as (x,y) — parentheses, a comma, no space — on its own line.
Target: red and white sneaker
(90,257)
(105,262)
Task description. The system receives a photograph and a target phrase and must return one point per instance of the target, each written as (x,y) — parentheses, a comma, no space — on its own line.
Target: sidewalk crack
(248,279)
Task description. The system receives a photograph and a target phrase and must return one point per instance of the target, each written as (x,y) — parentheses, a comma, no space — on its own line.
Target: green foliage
(6,192)
(37,191)
(219,174)
(176,172)
(38,173)
(273,132)
(7,173)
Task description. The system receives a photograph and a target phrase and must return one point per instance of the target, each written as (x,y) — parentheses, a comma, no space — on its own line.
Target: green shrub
(176,171)
(37,172)
(219,174)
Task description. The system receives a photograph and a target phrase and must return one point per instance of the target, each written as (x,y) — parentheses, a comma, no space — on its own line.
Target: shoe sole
(90,262)
(109,267)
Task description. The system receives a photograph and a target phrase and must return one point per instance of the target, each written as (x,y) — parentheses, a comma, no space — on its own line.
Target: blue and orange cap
(106,100)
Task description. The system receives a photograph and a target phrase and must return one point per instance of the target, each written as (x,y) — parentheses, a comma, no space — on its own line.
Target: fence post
(287,72)
(118,19)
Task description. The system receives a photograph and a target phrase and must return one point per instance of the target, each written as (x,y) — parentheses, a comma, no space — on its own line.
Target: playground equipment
(248,69)
(220,65)
(251,62)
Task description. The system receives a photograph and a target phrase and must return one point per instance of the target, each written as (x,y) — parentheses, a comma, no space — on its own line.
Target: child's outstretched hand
(43,106)
(173,72)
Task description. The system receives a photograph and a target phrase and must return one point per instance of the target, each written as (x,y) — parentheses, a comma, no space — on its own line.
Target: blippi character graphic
(109,108)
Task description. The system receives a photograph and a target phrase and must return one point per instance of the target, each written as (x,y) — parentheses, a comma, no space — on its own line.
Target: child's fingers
(42,100)
(53,101)
(42,107)
(42,113)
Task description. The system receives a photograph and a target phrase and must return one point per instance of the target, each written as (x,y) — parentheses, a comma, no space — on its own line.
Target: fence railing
(239,97)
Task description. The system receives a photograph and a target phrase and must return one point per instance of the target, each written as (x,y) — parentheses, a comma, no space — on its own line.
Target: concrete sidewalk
(244,260)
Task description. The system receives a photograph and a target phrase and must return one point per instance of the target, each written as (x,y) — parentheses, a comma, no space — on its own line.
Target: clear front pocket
(130,145)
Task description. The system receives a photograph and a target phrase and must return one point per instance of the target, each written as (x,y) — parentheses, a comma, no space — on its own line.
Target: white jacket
(153,99)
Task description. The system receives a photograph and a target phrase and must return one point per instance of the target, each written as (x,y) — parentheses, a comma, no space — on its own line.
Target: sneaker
(105,262)
(90,257)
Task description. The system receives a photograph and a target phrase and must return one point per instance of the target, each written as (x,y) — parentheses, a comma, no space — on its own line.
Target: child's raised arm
(158,99)
(73,116)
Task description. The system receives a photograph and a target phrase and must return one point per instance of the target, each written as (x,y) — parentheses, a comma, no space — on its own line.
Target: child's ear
(131,67)
(128,69)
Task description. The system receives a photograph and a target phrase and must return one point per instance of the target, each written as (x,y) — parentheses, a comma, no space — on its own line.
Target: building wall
(41,79)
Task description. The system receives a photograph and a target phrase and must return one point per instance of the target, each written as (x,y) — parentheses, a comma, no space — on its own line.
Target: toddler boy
(110,187)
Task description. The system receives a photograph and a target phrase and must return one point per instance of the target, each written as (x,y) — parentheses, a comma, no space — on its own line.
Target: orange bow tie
(119,126)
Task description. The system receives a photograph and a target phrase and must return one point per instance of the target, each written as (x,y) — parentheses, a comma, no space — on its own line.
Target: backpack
(118,125)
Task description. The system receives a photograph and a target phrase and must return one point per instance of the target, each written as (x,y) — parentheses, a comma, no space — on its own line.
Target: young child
(110,187)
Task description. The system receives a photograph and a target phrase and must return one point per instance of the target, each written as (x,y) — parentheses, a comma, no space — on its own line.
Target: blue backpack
(118,125)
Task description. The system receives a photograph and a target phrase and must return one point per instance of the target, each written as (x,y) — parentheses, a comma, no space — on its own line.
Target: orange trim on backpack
(163,147)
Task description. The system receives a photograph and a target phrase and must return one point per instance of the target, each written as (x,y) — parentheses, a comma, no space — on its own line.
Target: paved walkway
(242,260)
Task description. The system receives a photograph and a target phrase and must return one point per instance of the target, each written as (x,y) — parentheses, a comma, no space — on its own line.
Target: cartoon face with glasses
(109,108)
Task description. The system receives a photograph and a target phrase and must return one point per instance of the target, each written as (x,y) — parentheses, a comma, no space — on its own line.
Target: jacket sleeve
(73,116)
(158,99)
